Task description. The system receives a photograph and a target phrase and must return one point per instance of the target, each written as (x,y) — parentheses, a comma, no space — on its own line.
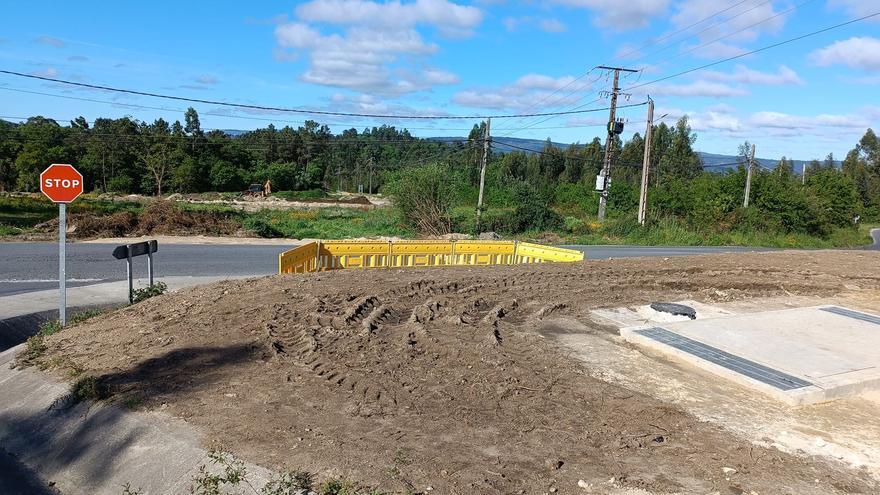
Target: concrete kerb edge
(798,397)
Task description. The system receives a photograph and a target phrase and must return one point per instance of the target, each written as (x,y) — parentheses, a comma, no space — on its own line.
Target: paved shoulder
(18,479)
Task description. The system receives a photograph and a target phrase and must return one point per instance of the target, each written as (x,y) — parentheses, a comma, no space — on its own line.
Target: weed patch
(154,290)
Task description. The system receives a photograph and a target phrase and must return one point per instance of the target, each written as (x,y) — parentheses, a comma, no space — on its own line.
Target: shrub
(424,196)
(532,211)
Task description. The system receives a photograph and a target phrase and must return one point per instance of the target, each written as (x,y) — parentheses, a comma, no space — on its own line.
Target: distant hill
(712,161)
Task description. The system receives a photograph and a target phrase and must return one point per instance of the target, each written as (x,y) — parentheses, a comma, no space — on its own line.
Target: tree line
(126,155)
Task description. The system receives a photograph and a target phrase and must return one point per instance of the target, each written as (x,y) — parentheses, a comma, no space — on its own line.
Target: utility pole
(804,175)
(749,178)
(371,175)
(483,173)
(614,128)
(646,164)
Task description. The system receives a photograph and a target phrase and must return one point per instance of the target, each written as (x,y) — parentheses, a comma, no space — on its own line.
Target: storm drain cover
(751,369)
(853,314)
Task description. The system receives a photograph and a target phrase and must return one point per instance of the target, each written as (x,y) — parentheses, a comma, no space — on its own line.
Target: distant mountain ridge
(712,161)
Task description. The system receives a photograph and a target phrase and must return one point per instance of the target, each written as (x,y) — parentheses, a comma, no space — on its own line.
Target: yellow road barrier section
(336,255)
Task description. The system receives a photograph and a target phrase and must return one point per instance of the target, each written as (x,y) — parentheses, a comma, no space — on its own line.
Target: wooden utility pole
(749,178)
(646,164)
(605,174)
(483,173)
(371,176)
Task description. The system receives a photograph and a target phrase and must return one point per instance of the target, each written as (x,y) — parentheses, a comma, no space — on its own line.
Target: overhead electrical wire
(757,50)
(284,109)
(649,43)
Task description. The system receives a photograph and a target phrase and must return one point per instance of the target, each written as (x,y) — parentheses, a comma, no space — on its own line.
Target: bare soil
(405,379)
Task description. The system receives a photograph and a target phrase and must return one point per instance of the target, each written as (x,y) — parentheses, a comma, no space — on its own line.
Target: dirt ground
(440,378)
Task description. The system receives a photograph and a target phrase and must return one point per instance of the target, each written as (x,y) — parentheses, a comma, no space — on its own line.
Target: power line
(752,52)
(288,110)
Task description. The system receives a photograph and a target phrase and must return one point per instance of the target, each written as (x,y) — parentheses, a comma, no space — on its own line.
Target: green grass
(327,223)
(669,232)
(295,195)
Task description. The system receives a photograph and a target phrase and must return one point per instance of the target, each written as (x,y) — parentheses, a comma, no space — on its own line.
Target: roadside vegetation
(546,195)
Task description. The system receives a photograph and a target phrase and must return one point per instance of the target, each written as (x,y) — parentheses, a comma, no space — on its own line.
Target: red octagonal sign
(61,183)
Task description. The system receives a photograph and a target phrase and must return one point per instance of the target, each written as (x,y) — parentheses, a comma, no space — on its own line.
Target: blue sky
(423,57)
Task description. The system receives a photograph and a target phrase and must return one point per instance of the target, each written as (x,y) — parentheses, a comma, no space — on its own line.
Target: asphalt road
(32,266)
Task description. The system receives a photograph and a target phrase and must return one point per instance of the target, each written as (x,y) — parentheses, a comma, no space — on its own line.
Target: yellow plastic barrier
(336,255)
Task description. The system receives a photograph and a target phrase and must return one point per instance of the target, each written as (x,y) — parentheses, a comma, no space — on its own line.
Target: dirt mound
(410,378)
(163,217)
(86,225)
(158,218)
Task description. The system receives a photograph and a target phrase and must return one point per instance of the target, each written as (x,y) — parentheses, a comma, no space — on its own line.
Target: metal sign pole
(130,282)
(150,265)
(62,264)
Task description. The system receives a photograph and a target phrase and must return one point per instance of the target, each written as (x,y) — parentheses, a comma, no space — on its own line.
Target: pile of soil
(406,379)
(158,218)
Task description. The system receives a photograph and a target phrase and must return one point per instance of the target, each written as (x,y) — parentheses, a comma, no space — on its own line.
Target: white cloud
(744,75)
(741,24)
(512,24)
(787,121)
(77,58)
(857,52)
(379,50)
(697,89)
(207,79)
(621,15)
(442,14)
(51,41)
(530,90)
(855,7)
(47,72)
(552,25)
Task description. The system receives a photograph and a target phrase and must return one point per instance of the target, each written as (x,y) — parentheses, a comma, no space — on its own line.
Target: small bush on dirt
(338,486)
(156,289)
(128,490)
(87,388)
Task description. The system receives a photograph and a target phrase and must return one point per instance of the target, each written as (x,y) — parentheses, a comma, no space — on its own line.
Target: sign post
(62,184)
(129,251)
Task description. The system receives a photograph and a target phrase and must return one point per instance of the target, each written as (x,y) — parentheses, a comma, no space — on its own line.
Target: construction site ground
(487,379)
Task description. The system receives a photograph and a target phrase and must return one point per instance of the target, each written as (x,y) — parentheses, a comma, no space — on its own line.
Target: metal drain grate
(751,369)
(853,314)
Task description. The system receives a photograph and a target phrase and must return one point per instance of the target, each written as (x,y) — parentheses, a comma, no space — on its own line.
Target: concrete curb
(95,449)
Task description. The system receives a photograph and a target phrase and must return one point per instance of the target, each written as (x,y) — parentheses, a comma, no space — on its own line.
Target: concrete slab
(94,449)
(800,356)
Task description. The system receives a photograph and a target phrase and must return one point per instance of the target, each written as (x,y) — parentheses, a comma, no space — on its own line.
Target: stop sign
(61,183)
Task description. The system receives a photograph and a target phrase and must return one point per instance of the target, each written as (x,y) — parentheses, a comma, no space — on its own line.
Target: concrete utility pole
(646,164)
(483,173)
(613,127)
(749,178)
